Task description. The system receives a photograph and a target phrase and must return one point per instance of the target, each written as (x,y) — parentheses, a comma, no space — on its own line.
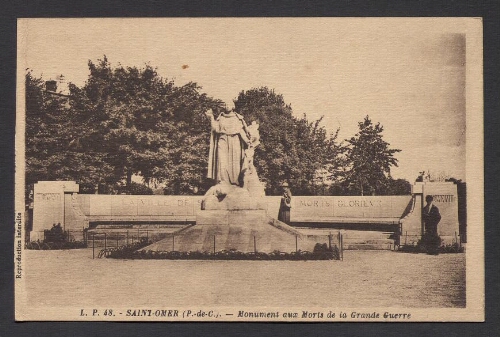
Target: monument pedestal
(228,217)
(50,198)
(241,230)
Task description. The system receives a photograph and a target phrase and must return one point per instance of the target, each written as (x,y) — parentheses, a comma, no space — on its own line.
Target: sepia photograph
(249,169)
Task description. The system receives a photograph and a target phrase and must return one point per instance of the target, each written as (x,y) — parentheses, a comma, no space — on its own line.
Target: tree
(123,121)
(47,119)
(396,187)
(145,125)
(53,131)
(121,112)
(292,149)
(369,160)
(189,133)
(127,121)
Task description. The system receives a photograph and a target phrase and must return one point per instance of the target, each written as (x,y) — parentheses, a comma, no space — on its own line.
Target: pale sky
(407,74)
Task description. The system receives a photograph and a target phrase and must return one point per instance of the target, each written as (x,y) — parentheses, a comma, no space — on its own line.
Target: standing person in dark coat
(431,218)
(285,205)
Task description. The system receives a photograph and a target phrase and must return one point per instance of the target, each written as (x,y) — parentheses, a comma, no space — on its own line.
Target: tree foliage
(368,162)
(123,121)
(47,142)
(292,149)
(127,121)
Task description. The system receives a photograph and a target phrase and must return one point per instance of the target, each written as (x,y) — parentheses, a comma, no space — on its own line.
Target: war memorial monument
(235,214)
(142,196)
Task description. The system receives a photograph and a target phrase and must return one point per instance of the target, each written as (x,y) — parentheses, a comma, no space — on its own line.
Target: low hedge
(35,245)
(321,252)
(443,249)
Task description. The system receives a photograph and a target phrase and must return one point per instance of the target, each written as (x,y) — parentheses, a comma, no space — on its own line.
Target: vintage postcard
(249,169)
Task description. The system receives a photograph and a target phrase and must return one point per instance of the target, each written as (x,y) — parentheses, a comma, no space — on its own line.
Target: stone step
(115,227)
(367,241)
(241,230)
(365,246)
(370,234)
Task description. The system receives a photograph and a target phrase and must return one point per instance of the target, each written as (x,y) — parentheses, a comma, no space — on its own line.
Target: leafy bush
(421,248)
(130,251)
(321,252)
(453,248)
(135,189)
(36,245)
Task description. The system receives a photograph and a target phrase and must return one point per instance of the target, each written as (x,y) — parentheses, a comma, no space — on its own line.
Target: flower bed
(35,245)
(444,249)
(321,252)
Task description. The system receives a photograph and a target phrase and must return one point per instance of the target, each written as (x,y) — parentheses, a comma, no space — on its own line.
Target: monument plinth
(233,212)
(228,217)
(241,230)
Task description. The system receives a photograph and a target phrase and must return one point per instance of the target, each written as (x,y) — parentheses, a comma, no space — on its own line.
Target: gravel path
(364,278)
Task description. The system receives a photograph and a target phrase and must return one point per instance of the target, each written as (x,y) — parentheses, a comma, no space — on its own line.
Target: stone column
(48,206)
(446,199)
(412,226)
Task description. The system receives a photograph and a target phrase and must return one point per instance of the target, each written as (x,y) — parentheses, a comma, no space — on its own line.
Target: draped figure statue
(228,141)
(230,164)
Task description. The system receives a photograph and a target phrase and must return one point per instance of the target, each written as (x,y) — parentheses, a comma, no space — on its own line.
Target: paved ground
(364,278)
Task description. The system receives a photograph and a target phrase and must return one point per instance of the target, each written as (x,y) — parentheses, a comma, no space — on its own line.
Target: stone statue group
(230,163)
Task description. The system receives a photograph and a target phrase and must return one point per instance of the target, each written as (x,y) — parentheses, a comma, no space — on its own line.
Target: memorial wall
(361,208)
(446,199)
(49,206)
(95,205)
(59,202)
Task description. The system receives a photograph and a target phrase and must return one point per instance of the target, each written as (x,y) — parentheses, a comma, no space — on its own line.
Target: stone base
(230,197)
(368,240)
(412,240)
(241,230)
(227,217)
